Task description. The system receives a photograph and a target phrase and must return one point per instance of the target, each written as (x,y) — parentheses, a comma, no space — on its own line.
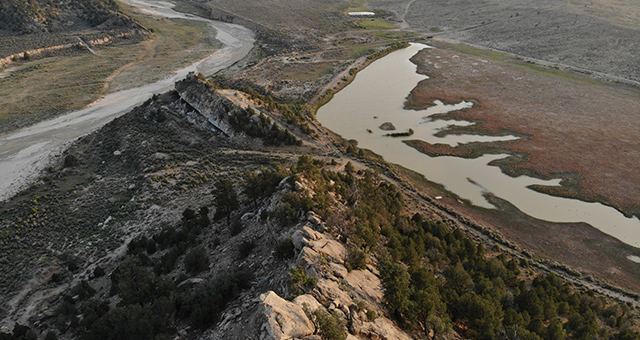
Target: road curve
(26,152)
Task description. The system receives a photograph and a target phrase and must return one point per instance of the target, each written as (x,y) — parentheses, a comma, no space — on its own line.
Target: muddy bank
(573,123)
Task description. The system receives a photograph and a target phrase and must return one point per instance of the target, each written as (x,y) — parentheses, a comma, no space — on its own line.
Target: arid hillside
(202,214)
(37,16)
(595,36)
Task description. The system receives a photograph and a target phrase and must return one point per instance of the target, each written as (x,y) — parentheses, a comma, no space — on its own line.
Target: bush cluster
(436,278)
(262,127)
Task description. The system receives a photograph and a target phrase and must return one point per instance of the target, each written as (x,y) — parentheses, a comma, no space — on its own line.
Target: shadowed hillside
(34,16)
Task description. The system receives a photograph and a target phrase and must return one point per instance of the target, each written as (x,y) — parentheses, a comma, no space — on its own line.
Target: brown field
(577,128)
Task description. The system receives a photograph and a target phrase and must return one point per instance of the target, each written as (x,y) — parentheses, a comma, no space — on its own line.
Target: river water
(377,95)
(26,152)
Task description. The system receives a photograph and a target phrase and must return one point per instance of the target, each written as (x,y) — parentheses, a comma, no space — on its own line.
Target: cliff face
(213,110)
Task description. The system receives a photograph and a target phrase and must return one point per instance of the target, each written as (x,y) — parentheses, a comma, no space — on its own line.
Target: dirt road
(24,153)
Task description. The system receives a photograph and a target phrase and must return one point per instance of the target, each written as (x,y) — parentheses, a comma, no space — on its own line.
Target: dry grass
(41,89)
(306,71)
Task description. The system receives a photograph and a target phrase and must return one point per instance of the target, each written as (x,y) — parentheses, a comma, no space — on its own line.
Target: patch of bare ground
(599,36)
(575,125)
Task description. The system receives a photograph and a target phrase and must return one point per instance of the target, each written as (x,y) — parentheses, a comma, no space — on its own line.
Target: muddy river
(24,153)
(377,95)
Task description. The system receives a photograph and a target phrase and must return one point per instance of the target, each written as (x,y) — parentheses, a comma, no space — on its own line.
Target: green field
(375,24)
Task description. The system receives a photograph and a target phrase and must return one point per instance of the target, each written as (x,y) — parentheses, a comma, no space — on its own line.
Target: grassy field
(41,89)
(375,24)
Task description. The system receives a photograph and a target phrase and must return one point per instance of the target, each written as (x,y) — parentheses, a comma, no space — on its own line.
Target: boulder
(307,301)
(303,236)
(388,126)
(332,250)
(284,320)
(328,291)
(365,285)
(338,270)
(383,328)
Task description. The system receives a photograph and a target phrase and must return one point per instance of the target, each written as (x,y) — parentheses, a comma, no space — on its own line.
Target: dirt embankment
(577,128)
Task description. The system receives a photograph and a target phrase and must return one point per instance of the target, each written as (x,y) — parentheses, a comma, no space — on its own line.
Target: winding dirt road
(26,152)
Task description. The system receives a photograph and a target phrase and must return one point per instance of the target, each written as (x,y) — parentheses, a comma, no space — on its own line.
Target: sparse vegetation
(331,326)
(436,279)
(374,24)
(285,249)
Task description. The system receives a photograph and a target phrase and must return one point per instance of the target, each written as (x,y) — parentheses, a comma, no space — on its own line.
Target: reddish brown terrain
(583,130)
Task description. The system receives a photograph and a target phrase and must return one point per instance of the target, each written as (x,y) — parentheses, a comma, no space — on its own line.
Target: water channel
(377,95)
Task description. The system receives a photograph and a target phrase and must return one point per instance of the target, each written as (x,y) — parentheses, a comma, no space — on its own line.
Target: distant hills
(37,16)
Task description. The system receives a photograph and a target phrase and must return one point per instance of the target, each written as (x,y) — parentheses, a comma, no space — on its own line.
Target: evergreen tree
(225,199)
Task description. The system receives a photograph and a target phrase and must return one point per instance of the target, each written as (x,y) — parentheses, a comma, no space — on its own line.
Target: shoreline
(556,253)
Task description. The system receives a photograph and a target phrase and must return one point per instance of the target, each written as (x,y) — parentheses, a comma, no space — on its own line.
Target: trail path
(24,153)
(405,24)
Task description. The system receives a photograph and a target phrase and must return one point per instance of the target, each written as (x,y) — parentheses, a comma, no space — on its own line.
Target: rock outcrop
(347,294)
(283,319)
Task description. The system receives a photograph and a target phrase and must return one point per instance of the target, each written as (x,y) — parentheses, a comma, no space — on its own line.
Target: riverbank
(573,239)
(567,136)
(53,83)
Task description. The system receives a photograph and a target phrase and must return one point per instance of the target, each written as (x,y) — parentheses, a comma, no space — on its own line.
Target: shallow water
(377,96)
(362,13)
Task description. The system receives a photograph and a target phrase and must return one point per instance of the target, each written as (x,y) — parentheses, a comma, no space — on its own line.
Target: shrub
(51,335)
(203,305)
(285,249)
(286,215)
(371,315)
(73,265)
(349,168)
(357,258)
(70,161)
(188,214)
(300,279)
(331,325)
(99,272)
(236,228)
(196,260)
(246,247)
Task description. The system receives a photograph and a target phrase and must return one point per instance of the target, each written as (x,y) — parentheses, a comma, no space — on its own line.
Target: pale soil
(599,36)
(26,152)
